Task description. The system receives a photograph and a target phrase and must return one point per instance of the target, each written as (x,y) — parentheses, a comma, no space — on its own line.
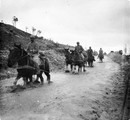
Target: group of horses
(77,61)
(26,66)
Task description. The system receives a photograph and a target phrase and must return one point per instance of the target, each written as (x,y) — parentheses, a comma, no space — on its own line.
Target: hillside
(10,35)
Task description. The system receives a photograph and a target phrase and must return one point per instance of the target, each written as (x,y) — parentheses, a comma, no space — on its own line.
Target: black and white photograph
(64,59)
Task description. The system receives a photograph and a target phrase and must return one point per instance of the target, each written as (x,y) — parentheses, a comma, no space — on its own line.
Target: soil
(96,94)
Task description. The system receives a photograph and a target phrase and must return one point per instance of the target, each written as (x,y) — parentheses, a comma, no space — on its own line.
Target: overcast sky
(96,23)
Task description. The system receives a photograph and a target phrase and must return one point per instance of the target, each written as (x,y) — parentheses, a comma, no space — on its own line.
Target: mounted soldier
(90,52)
(33,51)
(101,55)
(90,57)
(79,49)
(101,52)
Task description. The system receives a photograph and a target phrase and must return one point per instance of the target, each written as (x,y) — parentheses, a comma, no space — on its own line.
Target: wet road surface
(69,97)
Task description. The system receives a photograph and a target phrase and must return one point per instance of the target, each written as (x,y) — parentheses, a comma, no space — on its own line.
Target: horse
(78,61)
(101,57)
(68,60)
(85,57)
(26,66)
(90,59)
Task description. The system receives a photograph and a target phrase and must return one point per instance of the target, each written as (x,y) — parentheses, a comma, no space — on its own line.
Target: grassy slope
(10,35)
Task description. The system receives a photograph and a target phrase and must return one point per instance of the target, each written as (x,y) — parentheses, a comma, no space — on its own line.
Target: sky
(96,23)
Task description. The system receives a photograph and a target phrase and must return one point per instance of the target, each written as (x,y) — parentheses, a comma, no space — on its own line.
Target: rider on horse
(33,51)
(79,49)
(100,55)
(90,53)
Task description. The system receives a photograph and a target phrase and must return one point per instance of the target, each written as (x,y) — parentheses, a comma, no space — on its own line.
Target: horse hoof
(42,83)
(50,82)
(67,71)
(31,84)
(36,82)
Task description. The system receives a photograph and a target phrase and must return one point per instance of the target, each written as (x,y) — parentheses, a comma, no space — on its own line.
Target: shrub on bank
(116,57)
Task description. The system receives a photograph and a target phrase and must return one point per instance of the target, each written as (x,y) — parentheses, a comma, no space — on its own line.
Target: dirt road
(88,96)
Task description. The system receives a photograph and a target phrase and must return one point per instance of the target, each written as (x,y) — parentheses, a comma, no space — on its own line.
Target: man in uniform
(90,51)
(79,49)
(33,51)
(100,55)
(101,51)
(90,54)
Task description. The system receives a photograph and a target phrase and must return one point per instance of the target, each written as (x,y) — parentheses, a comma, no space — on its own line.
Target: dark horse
(78,60)
(68,60)
(26,66)
(101,57)
(90,59)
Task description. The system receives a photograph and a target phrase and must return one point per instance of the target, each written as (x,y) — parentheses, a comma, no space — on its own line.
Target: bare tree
(39,32)
(15,19)
(26,29)
(2,21)
(33,30)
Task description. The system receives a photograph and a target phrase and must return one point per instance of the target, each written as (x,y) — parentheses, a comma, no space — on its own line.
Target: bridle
(21,55)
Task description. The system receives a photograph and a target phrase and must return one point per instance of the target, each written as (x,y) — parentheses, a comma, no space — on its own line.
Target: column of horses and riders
(32,62)
(78,58)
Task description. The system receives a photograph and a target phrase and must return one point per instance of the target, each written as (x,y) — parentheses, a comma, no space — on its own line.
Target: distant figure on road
(90,57)
(101,55)
(90,52)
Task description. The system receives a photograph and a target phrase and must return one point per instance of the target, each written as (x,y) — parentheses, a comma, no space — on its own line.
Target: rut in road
(86,96)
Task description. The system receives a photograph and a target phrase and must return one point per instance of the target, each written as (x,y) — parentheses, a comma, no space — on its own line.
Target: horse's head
(14,55)
(67,52)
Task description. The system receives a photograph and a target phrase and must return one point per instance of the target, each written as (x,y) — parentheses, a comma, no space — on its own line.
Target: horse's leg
(41,78)
(89,63)
(66,67)
(74,68)
(84,67)
(101,60)
(48,77)
(16,79)
(71,67)
(37,78)
(86,63)
(92,63)
(31,79)
(25,80)
(79,68)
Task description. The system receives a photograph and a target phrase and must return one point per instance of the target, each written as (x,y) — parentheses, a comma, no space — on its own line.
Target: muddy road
(91,95)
